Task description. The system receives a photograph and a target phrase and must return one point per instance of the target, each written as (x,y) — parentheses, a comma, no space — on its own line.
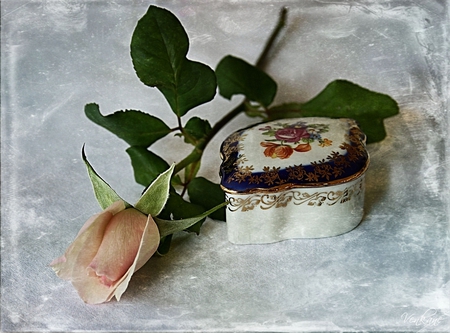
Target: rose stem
(262,61)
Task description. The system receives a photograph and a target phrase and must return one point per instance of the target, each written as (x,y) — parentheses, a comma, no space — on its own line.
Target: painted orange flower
(303,148)
(274,150)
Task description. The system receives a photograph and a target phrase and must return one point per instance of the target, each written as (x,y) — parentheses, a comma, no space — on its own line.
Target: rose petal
(78,257)
(120,245)
(106,214)
(72,265)
(148,246)
(115,208)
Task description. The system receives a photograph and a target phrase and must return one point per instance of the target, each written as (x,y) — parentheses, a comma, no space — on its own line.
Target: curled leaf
(135,127)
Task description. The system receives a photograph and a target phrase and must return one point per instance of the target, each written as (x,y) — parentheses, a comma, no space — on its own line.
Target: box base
(260,218)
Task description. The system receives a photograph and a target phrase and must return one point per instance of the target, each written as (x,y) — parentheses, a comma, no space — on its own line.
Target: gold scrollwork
(232,144)
(267,201)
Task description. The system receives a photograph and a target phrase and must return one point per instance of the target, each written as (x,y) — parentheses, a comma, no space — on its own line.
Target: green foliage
(236,76)
(191,171)
(179,214)
(158,49)
(203,192)
(164,244)
(196,129)
(147,165)
(344,99)
(177,208)
(285,110)
(135,127)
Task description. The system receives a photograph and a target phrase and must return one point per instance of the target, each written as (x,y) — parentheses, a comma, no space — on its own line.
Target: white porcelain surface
(297,213)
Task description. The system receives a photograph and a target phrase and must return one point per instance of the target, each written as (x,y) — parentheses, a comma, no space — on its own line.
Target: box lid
(296,152)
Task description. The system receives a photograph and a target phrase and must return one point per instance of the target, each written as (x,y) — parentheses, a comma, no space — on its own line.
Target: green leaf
(178,208)
(158,49)
(196,129)
(344,99)
(203,192)
(236,76)
(135,127)
(146,165)
(168,227)
(155,196)
(104,194)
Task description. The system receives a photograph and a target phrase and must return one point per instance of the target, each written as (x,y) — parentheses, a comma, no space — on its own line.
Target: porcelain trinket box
(294,178)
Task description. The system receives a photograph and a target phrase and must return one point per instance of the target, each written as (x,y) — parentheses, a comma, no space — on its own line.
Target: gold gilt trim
(229,145)
(296,197)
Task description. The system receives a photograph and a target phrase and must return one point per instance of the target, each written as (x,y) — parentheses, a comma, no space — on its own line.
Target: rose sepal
(104,193)
(156,194)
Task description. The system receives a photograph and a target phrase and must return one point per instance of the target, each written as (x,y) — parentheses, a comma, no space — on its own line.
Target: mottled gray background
(389,274)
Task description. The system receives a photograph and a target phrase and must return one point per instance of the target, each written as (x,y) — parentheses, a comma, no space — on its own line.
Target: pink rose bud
(109,248)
